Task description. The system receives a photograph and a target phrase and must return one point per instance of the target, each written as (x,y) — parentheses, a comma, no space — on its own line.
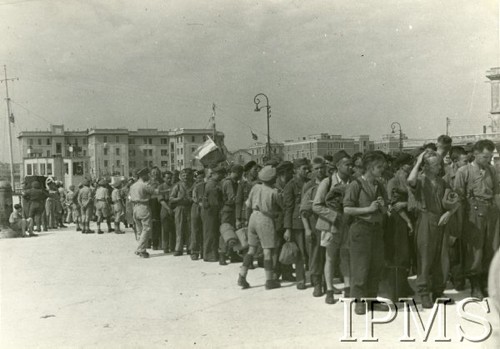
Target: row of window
(118,163)
(38,170)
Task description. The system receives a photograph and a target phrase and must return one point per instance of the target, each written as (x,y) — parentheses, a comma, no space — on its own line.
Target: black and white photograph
(249,174)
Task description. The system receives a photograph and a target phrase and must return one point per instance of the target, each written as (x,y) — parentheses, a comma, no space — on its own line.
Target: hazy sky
(337,66)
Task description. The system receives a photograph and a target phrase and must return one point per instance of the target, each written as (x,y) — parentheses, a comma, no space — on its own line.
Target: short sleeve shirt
(263,198)
(470,180)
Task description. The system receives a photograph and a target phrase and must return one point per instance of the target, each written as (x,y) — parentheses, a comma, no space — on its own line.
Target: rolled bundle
(228,234)
(451,201)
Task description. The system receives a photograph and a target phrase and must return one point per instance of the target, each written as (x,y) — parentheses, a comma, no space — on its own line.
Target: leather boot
(316,282)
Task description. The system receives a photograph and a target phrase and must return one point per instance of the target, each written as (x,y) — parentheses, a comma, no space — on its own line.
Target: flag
(254,136)
(205,148)
(208,153)
(11,118)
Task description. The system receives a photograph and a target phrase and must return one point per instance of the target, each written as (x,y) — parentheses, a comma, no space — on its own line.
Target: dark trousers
(196,229)
(432,254)
(479,235)
(156,239)
(316,255)
(182,227)
(298,238)
(167,231)
(211,234)
(366,257)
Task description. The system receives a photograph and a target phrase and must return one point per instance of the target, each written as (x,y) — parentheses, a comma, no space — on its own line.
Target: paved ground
(65,289)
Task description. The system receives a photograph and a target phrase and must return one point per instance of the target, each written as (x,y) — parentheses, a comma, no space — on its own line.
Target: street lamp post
(257,101)
(393,127)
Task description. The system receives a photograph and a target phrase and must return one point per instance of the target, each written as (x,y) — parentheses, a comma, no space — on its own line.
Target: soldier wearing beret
(212,204)
(294,229)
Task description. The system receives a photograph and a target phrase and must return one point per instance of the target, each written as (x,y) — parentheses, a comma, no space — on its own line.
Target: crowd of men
(369,219)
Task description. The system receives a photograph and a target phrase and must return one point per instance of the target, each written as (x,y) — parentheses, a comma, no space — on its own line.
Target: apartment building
(98,152)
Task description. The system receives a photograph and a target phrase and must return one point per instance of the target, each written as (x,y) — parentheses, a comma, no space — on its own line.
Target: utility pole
(10,118)
(448,122)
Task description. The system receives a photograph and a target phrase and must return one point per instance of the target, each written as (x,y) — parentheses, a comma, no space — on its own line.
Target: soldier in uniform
(477,185)
(166,214)
(284,172)
(140,194)
(85,202)
(251,170)
(118,205)
(294,229)
(155,181)
(181,197)
(212,204)
(229,188)
(196,216)
(103,210)
(73,212)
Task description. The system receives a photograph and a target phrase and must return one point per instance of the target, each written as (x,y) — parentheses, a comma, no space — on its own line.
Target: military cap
(86,182)
(249,165)
(102,182)
(186,170)
(237,169)
(284,167)
(267,173)
(300,162)
(71,187)
(341,154)
(142,172)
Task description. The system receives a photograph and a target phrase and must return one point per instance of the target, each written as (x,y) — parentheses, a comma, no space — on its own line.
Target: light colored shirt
(141,191)
(263,198)
(470,180)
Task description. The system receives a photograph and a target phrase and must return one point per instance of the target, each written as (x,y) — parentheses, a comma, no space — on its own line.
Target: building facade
(73,155)
(324,144)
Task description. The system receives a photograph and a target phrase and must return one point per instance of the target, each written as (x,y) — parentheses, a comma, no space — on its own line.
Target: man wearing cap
(118,205)
(332,223)
(212,204)
(294,229)
(102,205)
(263,200)
(85,202)
(196,246)
(140,193)
(313,235)
(228,211)
(181,197)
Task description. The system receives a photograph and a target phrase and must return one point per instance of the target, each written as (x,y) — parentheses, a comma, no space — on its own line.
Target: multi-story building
(258,152)
(324,144)
(72,155)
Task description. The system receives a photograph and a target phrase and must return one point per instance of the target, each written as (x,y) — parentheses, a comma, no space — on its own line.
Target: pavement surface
(64,289)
